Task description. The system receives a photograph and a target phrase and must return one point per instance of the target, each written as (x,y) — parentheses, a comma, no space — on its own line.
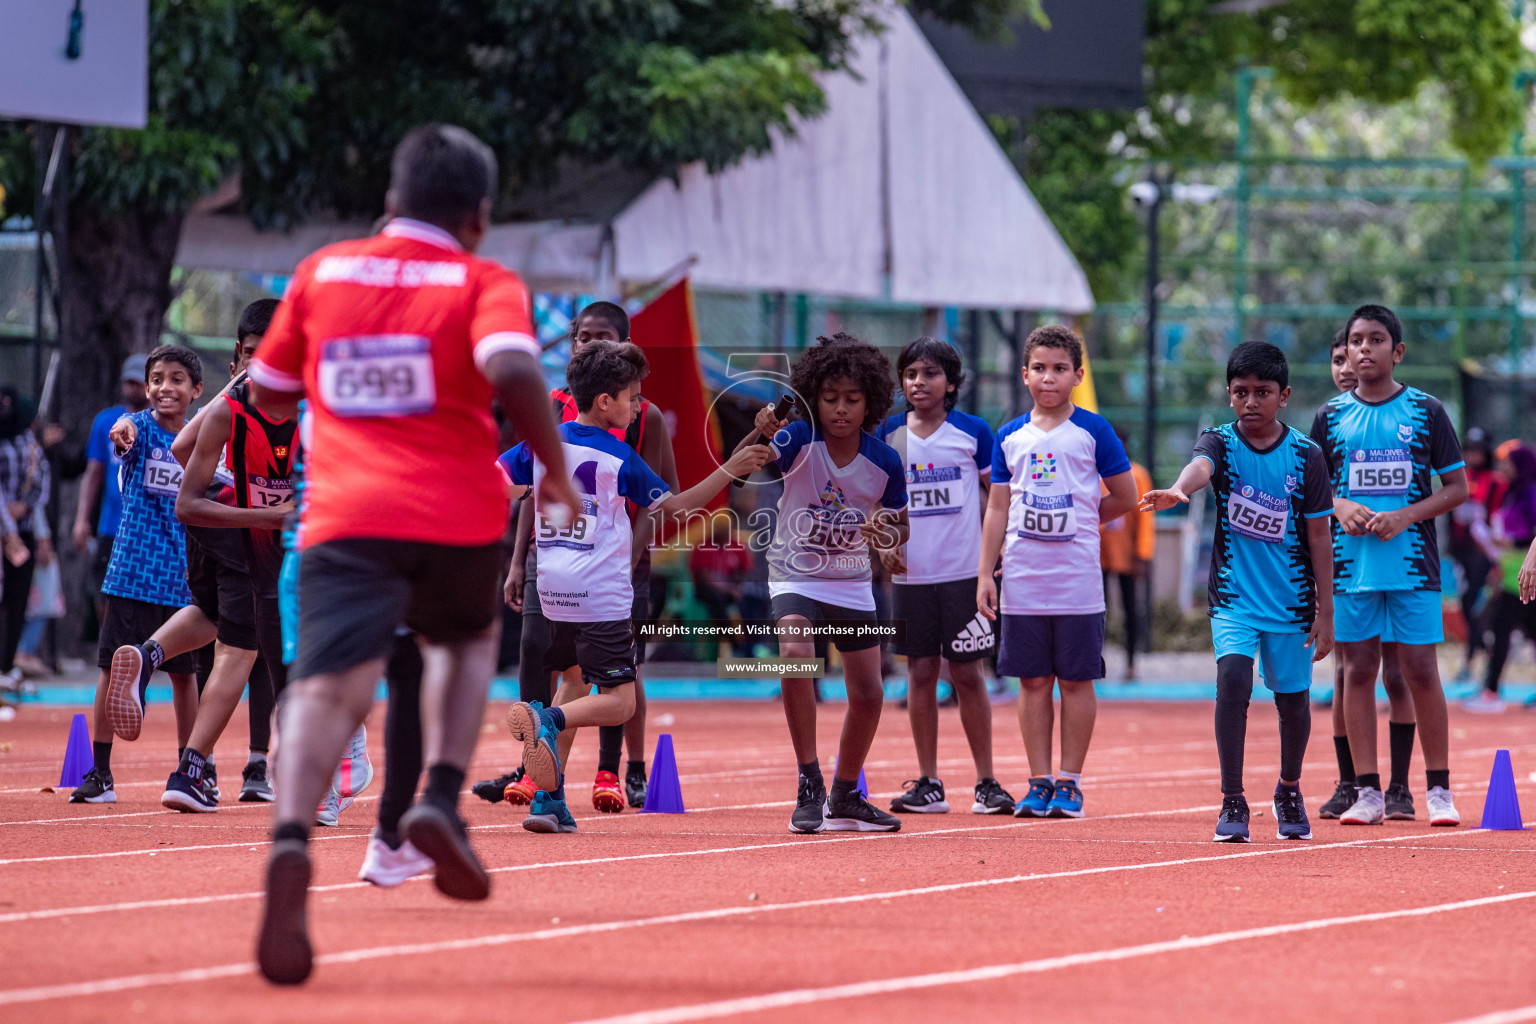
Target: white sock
(1076,777)
(256,758)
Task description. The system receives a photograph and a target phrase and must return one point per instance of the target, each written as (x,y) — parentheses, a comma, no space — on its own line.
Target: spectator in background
(100,479)
(1126,547)
(719,566)
(24,535)
(1513,529)
(1471,547)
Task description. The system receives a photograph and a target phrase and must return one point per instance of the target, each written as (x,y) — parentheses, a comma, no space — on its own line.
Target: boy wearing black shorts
(948,460)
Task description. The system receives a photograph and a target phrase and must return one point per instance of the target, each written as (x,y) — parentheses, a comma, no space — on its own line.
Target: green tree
(305,99)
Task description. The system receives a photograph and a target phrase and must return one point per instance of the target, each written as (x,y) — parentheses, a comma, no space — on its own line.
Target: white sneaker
(1442,807)
(329,810)
(1367,809)
(1485,703)
(387,868)
(355,771)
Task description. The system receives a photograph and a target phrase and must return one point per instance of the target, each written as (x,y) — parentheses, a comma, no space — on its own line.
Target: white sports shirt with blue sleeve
(1051,552)
(943,473)
(584,567)
(817,549)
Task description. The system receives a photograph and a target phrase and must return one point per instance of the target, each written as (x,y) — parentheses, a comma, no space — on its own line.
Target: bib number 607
(1044,522)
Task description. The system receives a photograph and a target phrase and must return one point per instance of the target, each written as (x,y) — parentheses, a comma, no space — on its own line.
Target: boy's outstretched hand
(123,434)
(1158,501)
(751,458)
(767,424)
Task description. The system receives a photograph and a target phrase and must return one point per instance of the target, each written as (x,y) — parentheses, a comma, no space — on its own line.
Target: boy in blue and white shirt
(1383,442)
(1049,470)
(844,490)
(1271,573)
(584,565)
(948,460)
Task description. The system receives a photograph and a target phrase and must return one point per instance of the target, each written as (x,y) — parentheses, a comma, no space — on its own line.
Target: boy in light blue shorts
(1271,576)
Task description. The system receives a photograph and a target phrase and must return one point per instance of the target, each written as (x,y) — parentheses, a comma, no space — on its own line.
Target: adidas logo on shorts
(976,636)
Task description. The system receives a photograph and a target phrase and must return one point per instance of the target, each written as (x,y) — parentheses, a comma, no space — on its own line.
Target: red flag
(667,331)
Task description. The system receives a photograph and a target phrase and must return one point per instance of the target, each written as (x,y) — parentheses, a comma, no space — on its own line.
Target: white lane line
(886,986)
(808,841)
(1514,1016)
(136,981)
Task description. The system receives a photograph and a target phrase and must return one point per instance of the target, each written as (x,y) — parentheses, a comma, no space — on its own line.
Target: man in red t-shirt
(399,342)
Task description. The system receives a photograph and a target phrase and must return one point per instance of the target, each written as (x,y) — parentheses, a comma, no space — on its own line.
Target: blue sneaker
(1066,801)
(1232,824)
(532,726)
(549,815)
(1034,805)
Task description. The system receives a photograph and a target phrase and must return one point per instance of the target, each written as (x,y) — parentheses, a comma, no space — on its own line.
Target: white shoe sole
(124,712)
(941,807)
(857,825)
(1229,839)
(1358,821)
(981,808)
(109,797)
(1446,822)
(389,877)
(178,801)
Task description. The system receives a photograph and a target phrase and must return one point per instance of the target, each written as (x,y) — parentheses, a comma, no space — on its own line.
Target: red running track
(127,912)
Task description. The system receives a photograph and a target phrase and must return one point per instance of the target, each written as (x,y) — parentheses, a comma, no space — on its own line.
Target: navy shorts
(1069,647)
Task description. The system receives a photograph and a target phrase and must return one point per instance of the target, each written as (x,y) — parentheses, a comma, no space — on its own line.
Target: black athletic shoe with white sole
(127,681)
(95,788)
(855,814)
(1291,815)
(1344,796)
(494,791)
(810,807)
(255,787)
(1397,803)
(992,798)
(634,785)
(192,796)
(1232,825)
(921,796)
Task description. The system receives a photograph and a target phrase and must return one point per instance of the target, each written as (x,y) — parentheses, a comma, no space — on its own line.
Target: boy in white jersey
(844,491)
(948,460)
(1049,468)
(584,567)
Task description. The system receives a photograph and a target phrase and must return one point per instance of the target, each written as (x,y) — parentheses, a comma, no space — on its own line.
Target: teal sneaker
(531,725)
(1034,805)
(548,815)
(1066,801)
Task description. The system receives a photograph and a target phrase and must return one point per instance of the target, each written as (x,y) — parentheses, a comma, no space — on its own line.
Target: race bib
(266,492)
(162,473)
(1047,517)
(382,375)
(1380,471)
(580,534)
(1257,515)
(933,490)
(221,473)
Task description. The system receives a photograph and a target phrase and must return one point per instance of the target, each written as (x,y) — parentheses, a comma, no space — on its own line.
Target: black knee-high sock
(610,748)
(1234,689)
(259,692)
(1400,742)
(402,736)
(1295,729)
(1346,759)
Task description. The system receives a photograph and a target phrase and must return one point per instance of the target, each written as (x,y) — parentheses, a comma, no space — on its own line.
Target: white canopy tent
(899,193)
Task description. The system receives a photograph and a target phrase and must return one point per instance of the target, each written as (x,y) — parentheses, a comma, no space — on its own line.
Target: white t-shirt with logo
(584,566)
(817,549)
(943,473)
(1051,552)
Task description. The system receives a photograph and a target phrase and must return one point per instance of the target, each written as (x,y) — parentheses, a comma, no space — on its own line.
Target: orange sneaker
(520,791)
(606,794)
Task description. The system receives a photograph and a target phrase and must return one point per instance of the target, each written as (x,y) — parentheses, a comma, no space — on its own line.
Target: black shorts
(268,632)
(1069,647)
(102,561)
(533,609)
(942,621)
(819,613)
(224,594)
(354,592)
(129,623)
(640,608)
(604,650)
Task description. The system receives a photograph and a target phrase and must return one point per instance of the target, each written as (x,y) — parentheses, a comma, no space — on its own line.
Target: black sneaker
(1399,803)
(283,951)
(634,785)
(992,798)
(255,787)
(1344,796)
(95,788)
(921,796)
(494,791)
(184,793)
(1291,815)
(441,836)
(855,814)
(211,773)
(810,807)
(1232,825)
(127,681)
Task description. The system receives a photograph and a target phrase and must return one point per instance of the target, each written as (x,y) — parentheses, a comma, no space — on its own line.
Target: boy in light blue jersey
(1383,441)
(1271,575)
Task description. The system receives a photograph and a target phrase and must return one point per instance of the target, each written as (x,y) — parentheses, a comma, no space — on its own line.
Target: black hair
(175,354)
(610,312)
(941,354)
(254,319)
(1340,340)
(602,368)
(1261,360)
(1055,336)
(1380,314)
(440,174)
(843,355)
